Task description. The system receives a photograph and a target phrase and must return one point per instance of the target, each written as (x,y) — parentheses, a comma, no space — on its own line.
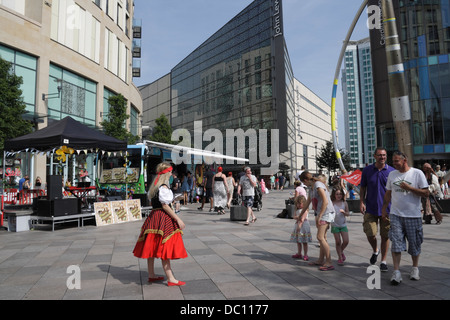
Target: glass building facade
(357,86)
(425,35)
(424,30)
(240,77)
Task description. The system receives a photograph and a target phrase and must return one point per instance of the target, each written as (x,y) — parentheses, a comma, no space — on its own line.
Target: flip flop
(326,268)
(314,263)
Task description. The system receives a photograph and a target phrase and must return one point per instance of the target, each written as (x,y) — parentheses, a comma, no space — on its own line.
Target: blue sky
(313,29)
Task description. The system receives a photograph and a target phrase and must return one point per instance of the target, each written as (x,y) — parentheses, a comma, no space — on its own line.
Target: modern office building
(424,30)
(239,78)
(72,56)
(313,126)
(357,87)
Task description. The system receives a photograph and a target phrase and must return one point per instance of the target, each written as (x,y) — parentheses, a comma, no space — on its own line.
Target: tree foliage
(326,159)
(162,132)
(114,125)
(12,106)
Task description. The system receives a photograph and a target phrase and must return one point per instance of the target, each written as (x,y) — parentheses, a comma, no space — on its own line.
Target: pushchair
(236,200)
(257,199)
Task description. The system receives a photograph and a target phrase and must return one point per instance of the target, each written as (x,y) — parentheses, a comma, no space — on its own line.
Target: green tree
(12,106)
(162,132)
(114,125)
(326,159)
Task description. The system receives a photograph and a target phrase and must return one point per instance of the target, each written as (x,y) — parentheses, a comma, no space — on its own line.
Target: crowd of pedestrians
(395,202)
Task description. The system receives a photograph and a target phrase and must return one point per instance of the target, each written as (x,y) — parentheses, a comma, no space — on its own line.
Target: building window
(78,97)
(106,95)
(116,56)
(25,66)
(134,121)
(76,28)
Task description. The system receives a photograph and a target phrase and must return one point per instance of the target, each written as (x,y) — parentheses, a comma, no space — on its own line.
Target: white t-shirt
(247,189)
(405,203)
(329,213)
(300,211)
(340,220)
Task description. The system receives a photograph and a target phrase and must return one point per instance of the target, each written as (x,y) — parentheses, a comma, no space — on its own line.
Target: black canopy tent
(66,132)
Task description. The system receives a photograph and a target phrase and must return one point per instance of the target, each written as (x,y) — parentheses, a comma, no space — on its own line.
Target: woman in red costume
(161,233)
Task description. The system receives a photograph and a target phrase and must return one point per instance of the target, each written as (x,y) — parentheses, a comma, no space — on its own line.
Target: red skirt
(160,237)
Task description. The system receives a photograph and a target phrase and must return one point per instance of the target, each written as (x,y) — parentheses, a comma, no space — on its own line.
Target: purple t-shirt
(375,182)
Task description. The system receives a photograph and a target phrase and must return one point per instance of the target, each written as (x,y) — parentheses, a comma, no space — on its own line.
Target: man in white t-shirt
(404,189)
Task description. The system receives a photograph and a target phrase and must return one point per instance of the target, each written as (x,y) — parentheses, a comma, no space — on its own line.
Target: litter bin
(290,208)
(18,221)
(238,213)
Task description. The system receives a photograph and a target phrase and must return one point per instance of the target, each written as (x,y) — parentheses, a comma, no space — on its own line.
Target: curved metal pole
(335,86)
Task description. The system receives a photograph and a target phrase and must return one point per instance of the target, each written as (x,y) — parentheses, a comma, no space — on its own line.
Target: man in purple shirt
(373,188)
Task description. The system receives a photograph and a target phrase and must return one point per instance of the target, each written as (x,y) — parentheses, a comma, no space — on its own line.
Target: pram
(236,200)
(257,199)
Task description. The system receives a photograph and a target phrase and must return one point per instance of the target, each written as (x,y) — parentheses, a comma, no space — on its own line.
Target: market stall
(63,138)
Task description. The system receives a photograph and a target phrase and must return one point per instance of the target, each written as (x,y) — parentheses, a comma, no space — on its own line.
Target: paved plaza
(227,261)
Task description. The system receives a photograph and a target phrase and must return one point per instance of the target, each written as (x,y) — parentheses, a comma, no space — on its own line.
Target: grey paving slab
(226,261)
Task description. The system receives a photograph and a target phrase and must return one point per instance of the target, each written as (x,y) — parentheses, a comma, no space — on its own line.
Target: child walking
(339,226)
(302,231)
(324,216)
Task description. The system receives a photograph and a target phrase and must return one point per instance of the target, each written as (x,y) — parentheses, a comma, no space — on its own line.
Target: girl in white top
(325,215)
(339,226)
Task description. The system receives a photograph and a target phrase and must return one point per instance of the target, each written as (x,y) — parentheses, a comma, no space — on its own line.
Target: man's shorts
(247,201)
(403,229)
(370,225)
(209,193)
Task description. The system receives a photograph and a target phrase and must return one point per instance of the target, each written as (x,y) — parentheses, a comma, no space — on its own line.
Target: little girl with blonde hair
(302,231)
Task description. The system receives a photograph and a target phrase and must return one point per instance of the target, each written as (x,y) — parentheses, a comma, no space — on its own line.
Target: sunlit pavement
(227,261)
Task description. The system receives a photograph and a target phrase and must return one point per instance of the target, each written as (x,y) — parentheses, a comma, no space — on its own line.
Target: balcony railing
(136,68)
(136,48)
(137,28)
